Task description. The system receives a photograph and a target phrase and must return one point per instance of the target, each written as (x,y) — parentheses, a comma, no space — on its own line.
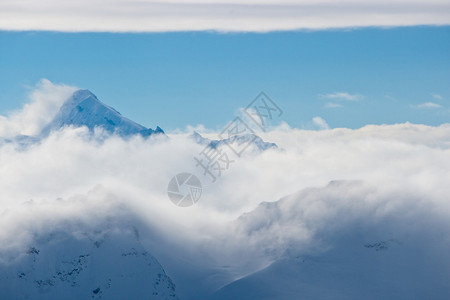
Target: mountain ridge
(106,262)
(241,139)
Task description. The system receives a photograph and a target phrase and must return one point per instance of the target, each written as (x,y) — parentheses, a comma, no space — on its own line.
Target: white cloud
(436,96)
(45,101)
(389,96)
(320,123)
(233,15)
(332,105)
(428,105)
(70,177)
(342,96)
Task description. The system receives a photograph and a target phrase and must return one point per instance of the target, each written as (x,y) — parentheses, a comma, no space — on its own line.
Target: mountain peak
(83,94)
(85,109)
(240,139)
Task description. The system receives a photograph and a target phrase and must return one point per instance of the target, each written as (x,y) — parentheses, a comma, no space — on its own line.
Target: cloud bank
(249,15)
(73,178)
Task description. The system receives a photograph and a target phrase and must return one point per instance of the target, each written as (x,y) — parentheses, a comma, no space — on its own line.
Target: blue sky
(350,78)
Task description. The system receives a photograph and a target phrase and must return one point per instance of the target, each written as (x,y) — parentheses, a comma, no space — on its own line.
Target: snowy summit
(84,109)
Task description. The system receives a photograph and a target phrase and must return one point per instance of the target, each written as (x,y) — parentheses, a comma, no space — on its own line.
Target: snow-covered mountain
(84,109)
(254,142)
(92,264)
(357,252)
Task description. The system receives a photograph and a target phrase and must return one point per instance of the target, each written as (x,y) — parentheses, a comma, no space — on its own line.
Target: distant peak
(240,139)
(85,109)
(159,130)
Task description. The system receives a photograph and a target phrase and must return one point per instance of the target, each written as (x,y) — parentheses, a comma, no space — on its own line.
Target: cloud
(436,96)
(71,177)
(428,105)
(389,96)
(45,100)
(249,15)
(320,123)
(332,105)
(342,96)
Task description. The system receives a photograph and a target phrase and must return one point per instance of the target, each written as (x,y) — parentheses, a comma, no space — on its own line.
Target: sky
(347,77)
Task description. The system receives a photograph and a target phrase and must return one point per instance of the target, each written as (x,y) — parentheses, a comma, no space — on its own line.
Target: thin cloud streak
(342,96)
(256,16)
(428,105)
(436,96)
(332,105)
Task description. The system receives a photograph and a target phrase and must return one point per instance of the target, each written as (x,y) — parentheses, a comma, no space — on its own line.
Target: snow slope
(105,263)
